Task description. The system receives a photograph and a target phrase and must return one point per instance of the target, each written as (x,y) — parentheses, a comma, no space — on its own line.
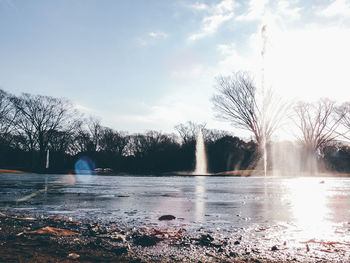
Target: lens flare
(84,167)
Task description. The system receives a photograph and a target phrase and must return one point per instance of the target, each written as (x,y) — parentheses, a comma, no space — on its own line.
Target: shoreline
(236,173)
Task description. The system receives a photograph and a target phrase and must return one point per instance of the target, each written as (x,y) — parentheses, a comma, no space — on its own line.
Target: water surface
(300,208)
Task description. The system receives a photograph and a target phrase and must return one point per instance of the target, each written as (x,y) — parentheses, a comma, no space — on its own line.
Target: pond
(296,209)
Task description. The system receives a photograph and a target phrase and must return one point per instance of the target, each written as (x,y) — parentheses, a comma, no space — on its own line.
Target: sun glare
(307,63)
(308,198)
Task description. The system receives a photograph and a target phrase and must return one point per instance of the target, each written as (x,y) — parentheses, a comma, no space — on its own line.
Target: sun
(308,63)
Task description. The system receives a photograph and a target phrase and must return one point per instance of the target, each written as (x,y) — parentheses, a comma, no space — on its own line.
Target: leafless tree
(143,144)
(344,115)
(88,135)
(237,102)
(113,141)
(188,131)
(38,116)
(95,130)
(7,116)
(318,123)
(62,141)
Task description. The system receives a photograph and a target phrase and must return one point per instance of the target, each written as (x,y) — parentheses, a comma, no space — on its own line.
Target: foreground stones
(55,239)
(166,217)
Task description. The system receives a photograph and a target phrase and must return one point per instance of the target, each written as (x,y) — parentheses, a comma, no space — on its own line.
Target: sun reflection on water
(308,199)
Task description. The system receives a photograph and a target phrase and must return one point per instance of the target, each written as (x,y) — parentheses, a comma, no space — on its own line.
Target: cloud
(215,16)
(261,10)
(157,34)
(337,8)
(233,60)
(177,107)
(255,10)
(284,8)
(83,109)
(151,38)
(199,6)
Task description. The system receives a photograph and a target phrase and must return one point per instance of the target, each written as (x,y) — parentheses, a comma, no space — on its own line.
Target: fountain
(264,40)
(201,157)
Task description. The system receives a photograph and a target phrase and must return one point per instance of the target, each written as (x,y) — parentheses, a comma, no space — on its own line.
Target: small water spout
(263,51)
(201,157)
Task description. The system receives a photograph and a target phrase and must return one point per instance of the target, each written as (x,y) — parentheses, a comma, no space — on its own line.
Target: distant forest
(32,124)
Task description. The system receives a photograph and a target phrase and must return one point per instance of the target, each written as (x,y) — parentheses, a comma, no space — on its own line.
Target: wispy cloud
(199,6)
(151,38)
(158,34)
(83,109)
(215,16)
(337,8)
(255,10)
(284,8)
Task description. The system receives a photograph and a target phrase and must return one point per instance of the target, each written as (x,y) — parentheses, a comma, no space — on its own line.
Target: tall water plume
(201,157)
(263,112)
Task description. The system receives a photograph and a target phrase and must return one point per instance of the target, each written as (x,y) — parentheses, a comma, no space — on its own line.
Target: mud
(57,239)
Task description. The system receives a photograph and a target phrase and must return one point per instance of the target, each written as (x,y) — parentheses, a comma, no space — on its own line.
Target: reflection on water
(307,208)
(200,198)
(309,200)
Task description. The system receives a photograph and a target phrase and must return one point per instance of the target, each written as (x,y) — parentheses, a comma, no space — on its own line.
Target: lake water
(293,208)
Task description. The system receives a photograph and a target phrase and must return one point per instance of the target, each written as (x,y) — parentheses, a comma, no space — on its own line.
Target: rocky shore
(55,239)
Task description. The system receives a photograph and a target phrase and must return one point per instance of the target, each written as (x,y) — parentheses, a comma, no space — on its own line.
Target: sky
(149,65)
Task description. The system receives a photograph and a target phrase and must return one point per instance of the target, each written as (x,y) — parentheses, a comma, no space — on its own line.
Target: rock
(205,240)
(52,231)
(166,217)
(73,256)
(233,254)
(208,240)
(274,248)
(207,237)
(236,243)
(146,241)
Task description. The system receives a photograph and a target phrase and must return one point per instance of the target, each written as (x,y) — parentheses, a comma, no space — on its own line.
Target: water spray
(263,51)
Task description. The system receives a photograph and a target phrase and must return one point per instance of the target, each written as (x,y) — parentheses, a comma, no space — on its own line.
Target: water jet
(201,157)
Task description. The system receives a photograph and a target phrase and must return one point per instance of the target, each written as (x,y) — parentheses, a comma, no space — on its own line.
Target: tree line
(32,124)
(320,128)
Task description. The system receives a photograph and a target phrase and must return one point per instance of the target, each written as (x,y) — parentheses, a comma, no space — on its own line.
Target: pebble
(166,217)
(73,255)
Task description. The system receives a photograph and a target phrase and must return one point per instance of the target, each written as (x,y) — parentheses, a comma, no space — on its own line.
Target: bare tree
(39,116)
(344,115)
(95,130)
(88,135)
(237,103)
(113,141)
(188,131)
(141,145)
(318,123)
(7,116)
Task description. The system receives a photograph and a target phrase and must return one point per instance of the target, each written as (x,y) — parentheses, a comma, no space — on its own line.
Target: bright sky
(142,65)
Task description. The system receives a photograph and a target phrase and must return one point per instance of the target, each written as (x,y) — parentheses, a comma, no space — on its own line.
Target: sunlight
(308,199)
(308,63)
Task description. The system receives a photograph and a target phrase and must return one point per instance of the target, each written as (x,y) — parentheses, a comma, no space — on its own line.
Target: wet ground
(217,218)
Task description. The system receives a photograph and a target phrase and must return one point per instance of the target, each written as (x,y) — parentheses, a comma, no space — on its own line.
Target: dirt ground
(56,239)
